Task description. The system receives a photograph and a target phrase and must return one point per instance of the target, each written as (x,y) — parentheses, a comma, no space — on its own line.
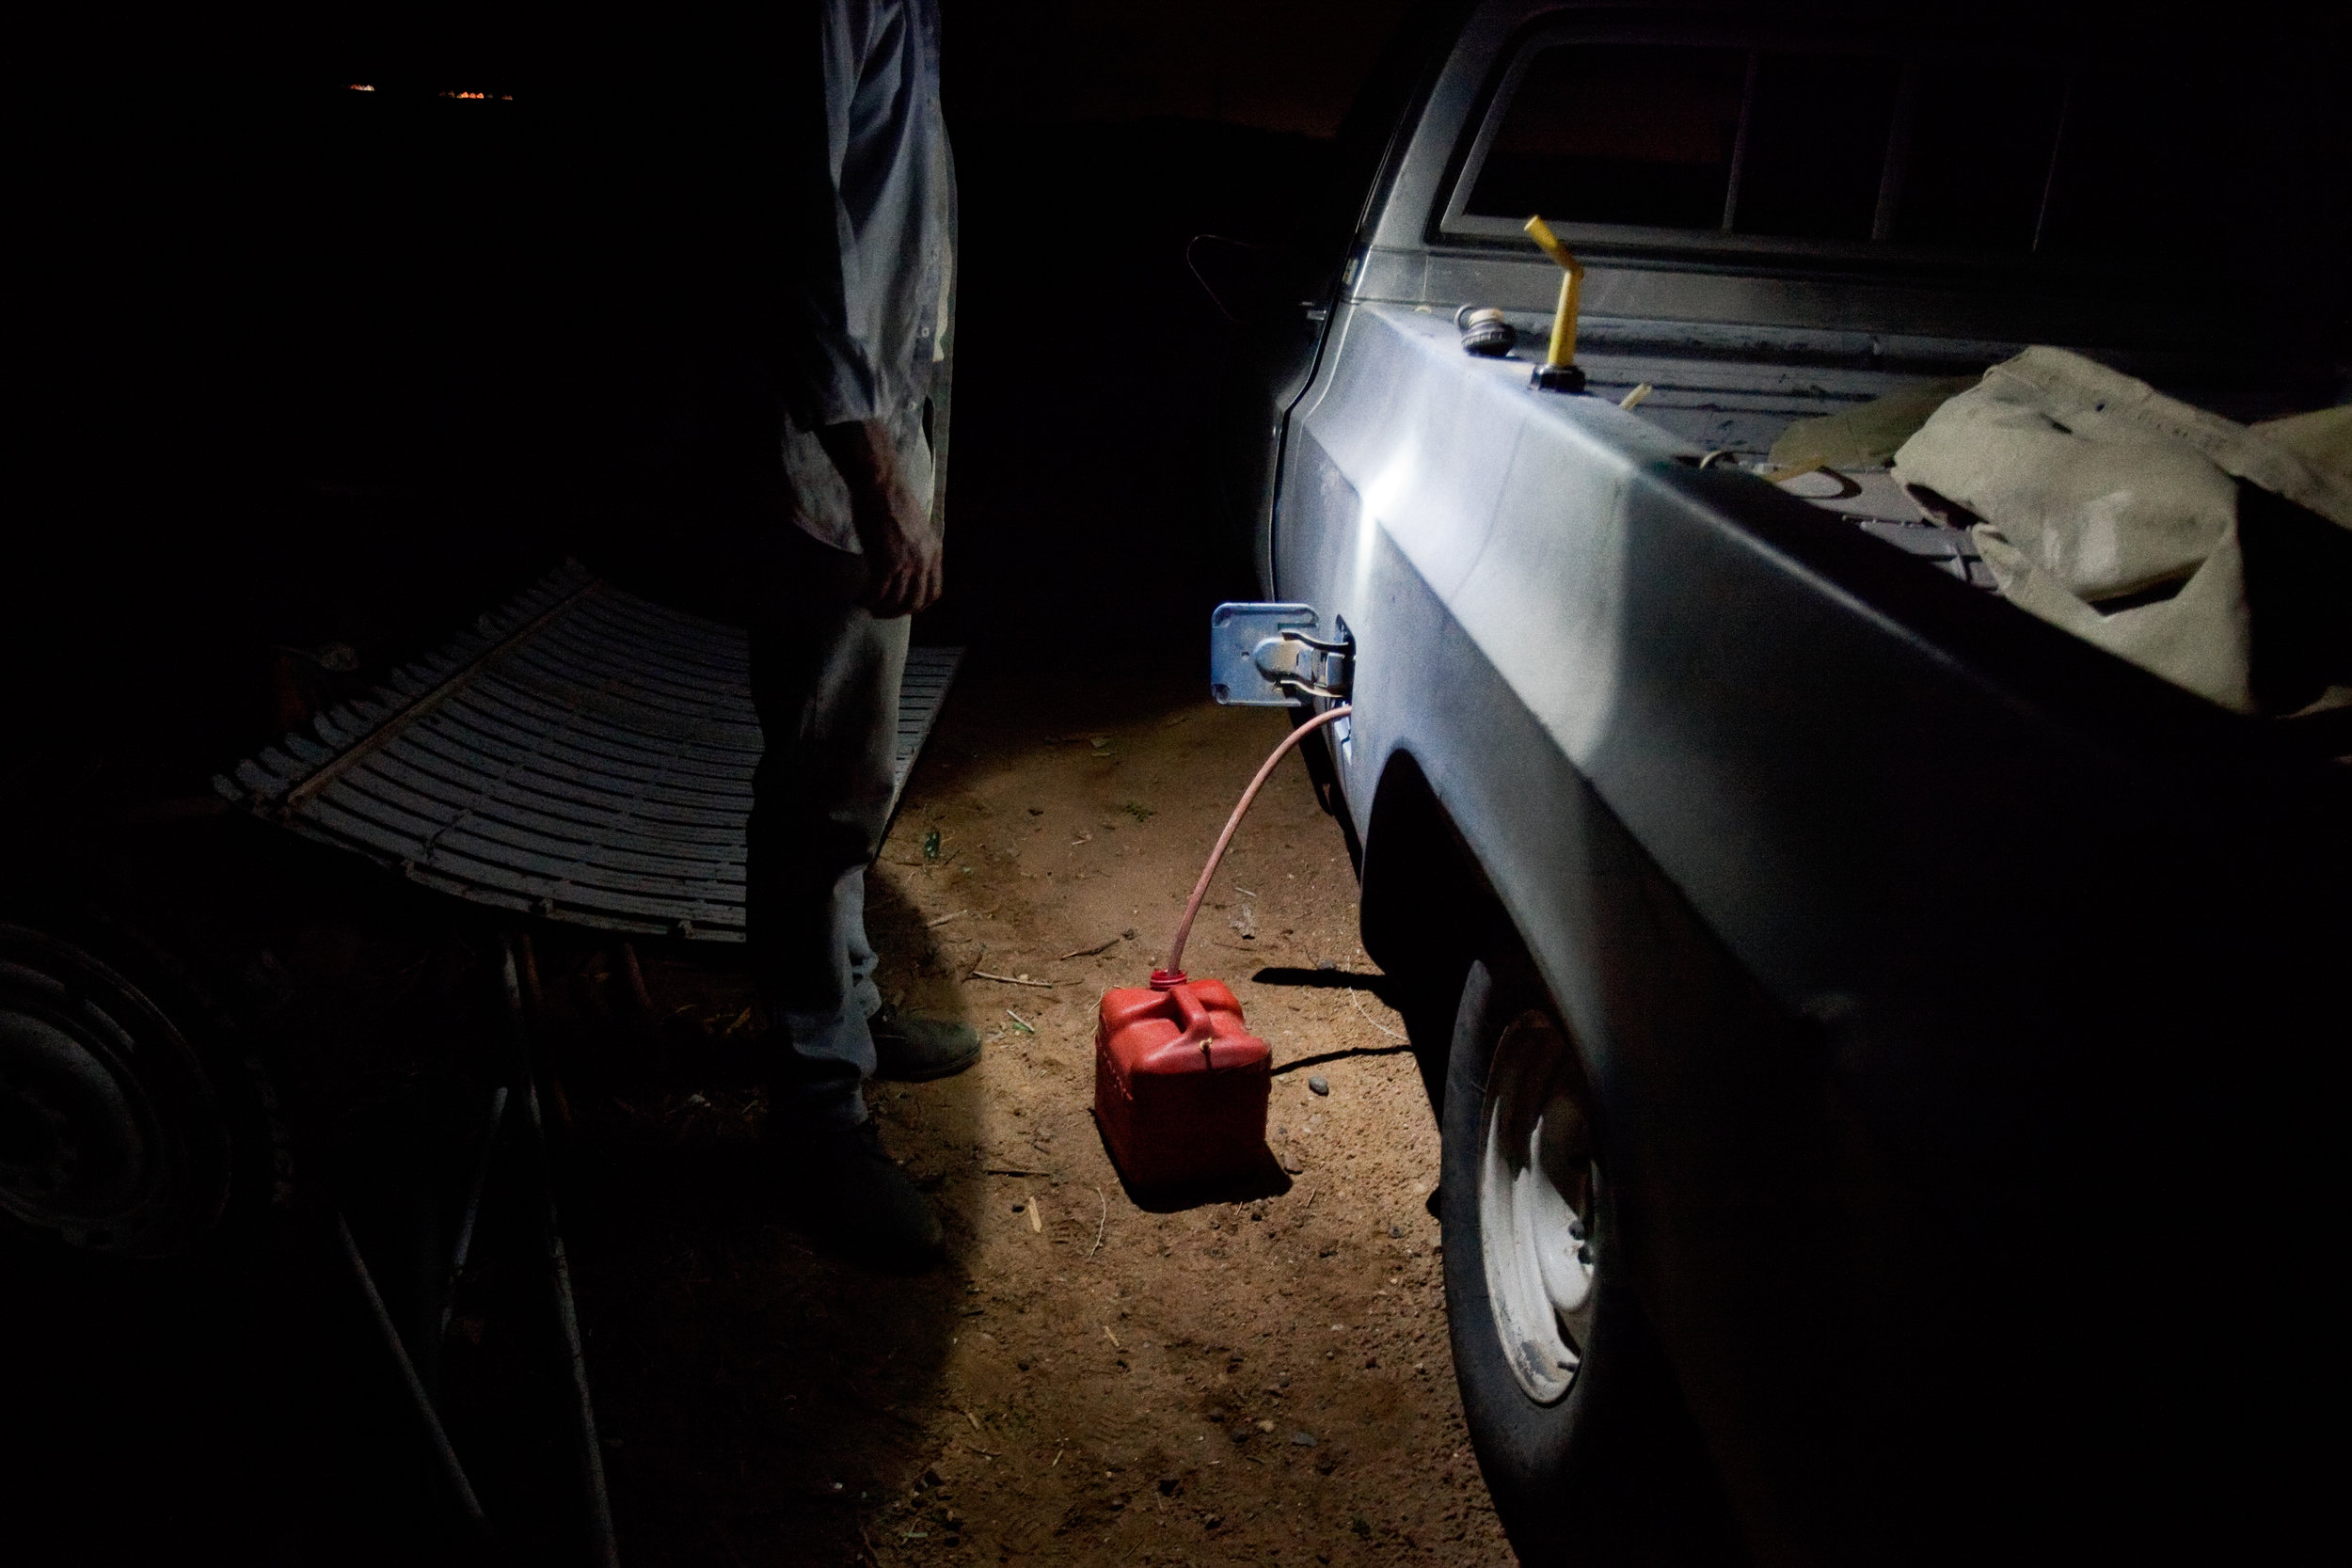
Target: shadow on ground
(751,1386)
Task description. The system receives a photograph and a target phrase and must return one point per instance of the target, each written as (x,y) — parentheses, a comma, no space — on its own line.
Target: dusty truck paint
(1903,940)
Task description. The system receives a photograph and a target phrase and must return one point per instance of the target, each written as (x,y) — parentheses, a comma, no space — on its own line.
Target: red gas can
(1180,1082)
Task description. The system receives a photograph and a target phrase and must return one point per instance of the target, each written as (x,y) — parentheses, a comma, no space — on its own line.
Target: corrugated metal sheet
(583,754)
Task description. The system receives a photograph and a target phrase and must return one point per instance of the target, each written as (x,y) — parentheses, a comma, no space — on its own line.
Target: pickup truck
(1886,1047)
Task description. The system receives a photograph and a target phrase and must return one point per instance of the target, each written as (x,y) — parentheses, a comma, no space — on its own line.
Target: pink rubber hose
(1174,973)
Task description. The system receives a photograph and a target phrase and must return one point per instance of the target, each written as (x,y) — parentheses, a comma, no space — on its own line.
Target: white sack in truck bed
(2111,510)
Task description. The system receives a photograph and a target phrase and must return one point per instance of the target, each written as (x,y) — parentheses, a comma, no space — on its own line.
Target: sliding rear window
(1624,133)
(1761,147)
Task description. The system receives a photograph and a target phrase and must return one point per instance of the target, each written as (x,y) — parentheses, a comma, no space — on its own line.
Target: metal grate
(583,754)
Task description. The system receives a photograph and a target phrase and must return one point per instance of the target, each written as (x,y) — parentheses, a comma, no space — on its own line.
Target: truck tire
(134,1123)
(1585,1448)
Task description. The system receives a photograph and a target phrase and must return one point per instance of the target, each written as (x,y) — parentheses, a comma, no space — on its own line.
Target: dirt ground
(1259,1379)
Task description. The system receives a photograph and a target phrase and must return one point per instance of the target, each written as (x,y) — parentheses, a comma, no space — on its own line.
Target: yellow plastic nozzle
(1571,284)
(1540,232)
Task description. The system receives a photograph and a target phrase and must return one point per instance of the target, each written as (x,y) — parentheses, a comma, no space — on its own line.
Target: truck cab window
(1847,147)
(1815,150)
(1971,164)
(1616,133)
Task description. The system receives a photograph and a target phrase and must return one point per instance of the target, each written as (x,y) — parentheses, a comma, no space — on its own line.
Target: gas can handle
(1191,1014)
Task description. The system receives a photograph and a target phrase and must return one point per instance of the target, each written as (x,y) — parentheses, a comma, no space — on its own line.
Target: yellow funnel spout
(1572,285)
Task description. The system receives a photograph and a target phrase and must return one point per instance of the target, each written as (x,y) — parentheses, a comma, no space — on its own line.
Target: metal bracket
(1298,663)
(1265,655)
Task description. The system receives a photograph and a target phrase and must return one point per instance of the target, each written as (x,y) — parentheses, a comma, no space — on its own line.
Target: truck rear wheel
(118,1139)
(1579,1430)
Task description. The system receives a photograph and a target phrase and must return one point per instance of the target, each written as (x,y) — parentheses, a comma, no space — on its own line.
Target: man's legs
(825,679)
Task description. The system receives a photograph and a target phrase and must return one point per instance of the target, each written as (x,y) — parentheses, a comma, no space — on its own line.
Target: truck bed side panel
(1776,807)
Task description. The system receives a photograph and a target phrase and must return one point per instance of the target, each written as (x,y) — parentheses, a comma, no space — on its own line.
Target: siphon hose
(1174,973)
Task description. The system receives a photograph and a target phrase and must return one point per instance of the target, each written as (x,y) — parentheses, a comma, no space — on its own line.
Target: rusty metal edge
(328,771)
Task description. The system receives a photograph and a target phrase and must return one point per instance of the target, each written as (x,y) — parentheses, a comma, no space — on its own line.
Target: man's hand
(902,550)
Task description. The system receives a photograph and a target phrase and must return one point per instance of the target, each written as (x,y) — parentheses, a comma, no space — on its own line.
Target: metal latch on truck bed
(1266,655)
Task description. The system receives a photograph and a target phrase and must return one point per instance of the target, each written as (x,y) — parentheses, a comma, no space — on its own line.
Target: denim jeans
(825,679)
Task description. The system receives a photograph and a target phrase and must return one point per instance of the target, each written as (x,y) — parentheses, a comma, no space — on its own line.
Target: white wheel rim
(1535,1187)
(110,1136)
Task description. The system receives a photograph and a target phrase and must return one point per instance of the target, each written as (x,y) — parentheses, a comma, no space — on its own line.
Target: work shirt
(872,289)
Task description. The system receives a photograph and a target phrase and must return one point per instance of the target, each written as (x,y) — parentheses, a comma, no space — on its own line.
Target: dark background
(304,366)
(308,365)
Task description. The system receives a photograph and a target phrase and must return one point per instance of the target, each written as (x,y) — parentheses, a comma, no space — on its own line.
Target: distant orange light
(361,86)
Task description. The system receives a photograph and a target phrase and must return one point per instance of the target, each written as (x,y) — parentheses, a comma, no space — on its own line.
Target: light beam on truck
(1382,499)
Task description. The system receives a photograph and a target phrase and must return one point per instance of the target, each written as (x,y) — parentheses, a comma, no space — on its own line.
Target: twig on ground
(1112,1337)
(976,962)
(1099,1225)
(1029,1201)
(975,1420)
(1088,952)
(1012,1170)
(1357,997)
(978,974)
(929,924)
(1026,1027)
(1057,1454)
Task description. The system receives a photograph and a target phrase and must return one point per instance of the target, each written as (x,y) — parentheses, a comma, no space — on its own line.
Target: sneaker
(848,1193)
(911,1050)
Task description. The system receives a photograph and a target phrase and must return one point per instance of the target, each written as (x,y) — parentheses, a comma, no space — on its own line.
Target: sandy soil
(1261,1379)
